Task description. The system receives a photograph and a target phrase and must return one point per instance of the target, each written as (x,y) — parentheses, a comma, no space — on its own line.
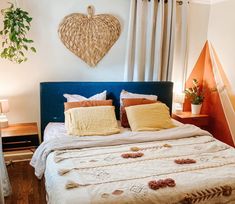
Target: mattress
(92,170)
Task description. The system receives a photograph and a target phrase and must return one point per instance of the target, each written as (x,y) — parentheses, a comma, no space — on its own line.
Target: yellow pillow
(96,120)
(149,117)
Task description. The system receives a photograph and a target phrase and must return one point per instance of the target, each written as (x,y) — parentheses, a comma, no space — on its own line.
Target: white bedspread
(94,166)
(57,130)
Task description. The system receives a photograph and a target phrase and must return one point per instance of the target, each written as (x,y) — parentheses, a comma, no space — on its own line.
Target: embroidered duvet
(182,165)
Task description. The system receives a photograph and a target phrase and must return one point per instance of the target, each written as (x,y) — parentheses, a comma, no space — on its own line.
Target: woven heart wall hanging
(90,36)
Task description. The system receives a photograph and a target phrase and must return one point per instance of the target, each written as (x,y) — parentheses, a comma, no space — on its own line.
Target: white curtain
(150,45)
(5,188)
(181,46)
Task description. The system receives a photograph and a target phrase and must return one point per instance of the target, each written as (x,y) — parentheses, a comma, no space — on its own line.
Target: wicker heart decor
(90,36)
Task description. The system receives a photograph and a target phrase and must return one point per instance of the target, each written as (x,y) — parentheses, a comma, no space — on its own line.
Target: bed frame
(52,100)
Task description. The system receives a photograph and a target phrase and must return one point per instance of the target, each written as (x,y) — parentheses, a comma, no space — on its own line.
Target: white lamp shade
(179,97)
(4,106)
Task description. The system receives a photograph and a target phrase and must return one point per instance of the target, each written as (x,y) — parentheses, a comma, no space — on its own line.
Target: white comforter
(97,173)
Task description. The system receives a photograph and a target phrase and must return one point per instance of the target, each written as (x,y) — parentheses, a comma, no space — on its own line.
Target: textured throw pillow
(126,94)
(126,102)
(150,117)
(87,121)
(75,97)
(69,105)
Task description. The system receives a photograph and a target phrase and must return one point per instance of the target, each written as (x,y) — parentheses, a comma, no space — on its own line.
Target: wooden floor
(27,189)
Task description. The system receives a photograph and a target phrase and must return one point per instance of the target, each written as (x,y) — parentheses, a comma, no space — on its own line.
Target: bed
(91,170)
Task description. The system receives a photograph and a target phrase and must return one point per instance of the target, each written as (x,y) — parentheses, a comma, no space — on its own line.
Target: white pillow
(126,94)
(76,98)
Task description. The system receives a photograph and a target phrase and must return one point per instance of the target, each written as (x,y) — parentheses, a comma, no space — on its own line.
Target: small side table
(19,141)
(200,120)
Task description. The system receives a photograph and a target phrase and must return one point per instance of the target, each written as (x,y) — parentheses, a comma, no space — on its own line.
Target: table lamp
(178,102)
(4,108)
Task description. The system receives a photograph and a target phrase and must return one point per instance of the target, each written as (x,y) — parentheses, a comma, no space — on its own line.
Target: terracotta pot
(196,109)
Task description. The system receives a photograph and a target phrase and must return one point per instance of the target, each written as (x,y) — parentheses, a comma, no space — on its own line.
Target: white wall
(53,62)
(221,33)
(199,14)
(213,21)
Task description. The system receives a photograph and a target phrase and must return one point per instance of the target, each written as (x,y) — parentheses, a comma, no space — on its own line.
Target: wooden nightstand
(201,120)
(19,141)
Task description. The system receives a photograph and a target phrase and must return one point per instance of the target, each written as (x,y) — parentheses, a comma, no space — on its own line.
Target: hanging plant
(15,43)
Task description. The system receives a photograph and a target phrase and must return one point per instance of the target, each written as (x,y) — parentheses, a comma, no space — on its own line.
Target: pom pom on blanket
(62,172)
(72,184)
(167,145)
(132,155)
(161,183)
(185,161)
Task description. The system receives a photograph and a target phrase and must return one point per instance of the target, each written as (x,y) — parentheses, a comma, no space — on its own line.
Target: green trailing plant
(15,44)
(195,93)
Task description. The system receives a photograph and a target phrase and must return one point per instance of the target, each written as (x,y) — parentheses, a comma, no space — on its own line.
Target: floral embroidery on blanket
(207,194)
(101,174)
(139,191)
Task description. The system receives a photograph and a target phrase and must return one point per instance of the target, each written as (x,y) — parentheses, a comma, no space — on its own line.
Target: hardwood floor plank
(26,188)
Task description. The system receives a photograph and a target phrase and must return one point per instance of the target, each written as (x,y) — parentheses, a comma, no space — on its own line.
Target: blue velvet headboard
(52,100)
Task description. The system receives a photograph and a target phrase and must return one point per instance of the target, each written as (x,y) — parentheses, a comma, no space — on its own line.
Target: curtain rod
(166,1)
(179,2)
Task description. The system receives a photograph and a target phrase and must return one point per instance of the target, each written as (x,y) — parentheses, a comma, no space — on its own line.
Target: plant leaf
(21,53)
(33,49)
(25,47)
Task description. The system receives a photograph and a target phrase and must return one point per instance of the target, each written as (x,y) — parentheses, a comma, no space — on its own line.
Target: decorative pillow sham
(149,117)
(87,121)
(76,98)
(126,94)
(126,102)
(69,105)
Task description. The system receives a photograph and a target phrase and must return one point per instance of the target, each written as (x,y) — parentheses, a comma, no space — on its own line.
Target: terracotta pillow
(69,105)
(126,102)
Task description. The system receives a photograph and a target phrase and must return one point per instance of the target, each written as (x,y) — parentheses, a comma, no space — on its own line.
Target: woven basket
(90,36)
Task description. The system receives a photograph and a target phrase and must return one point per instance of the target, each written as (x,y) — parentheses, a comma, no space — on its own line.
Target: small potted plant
(196,96)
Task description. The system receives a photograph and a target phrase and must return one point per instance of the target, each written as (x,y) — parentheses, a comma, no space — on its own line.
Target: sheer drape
(180,49)
(5,188)
(150,41)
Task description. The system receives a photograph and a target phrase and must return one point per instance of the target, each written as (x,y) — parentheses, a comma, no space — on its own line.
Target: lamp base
(3,124)
(178,108)
(3,121)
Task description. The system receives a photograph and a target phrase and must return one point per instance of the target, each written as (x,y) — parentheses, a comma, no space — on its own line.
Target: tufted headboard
(52,100)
